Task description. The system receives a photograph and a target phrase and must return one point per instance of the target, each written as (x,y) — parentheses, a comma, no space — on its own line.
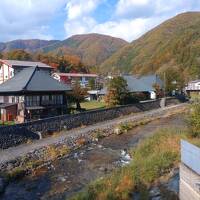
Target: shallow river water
(69,175)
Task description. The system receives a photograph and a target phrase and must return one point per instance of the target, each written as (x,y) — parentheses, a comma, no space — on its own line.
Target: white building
(72,78)
(193,87)
(8,68)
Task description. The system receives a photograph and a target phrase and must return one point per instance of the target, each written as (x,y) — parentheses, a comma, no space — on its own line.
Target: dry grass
(80,142)
(153,158)
(53,152)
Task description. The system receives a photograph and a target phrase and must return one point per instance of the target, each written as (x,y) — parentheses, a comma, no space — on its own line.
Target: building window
(53,99)
(32,100)
(45,100)
(59,99)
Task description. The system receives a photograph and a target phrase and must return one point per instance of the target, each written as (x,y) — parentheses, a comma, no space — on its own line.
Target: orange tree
(18,55)
(77,95)
(117,92)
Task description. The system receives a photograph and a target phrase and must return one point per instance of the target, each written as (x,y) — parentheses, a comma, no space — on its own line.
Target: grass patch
(7,123)
(16,173)
(53,152)
(127,126)
(152,158)
(98,134)
(89,105)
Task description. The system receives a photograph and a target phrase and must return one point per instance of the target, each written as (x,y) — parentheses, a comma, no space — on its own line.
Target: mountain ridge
(92,49)
(174,43)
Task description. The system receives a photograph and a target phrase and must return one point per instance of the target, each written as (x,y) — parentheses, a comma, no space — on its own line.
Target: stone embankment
(27,157)
(21,133)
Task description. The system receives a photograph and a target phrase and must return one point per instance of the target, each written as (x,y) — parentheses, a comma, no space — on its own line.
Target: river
(69,175)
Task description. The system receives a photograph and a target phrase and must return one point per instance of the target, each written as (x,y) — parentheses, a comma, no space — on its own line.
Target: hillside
(93,49)
(175,44)
(27,45)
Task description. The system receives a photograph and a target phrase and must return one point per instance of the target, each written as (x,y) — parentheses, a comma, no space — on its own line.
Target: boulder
(3,184)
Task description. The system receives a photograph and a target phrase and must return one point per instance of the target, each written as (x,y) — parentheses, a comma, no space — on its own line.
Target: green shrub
(16,173)
(98,134)
(194,120)
(125,127)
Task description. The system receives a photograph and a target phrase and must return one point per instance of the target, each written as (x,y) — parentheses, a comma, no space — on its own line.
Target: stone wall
(16,137)
(17,134)
(80,137)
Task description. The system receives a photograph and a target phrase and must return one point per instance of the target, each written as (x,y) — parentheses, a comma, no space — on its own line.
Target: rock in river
(2,184)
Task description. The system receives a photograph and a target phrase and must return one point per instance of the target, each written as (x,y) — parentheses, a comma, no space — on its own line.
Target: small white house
(193,87)
(144,84)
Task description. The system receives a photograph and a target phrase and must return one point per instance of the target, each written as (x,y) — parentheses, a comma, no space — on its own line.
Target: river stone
(154,192)
(2,184)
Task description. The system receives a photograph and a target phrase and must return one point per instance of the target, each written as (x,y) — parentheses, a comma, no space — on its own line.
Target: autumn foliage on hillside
(173,45)
(66,63)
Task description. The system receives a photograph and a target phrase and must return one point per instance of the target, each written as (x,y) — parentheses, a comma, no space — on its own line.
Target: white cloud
(125,6)
(78,8)
(130,19)
(127,29)
(127,19)
(80,26)
(78,16)
(27,18)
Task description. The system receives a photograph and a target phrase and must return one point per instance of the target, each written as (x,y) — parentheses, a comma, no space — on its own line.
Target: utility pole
(164,84)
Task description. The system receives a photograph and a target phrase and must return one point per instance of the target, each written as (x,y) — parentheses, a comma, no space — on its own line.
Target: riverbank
(151,174)
(58,175)
(75,138)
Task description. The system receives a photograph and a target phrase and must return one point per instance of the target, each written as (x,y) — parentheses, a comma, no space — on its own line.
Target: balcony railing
(44,103)
(193,87)
(50,103)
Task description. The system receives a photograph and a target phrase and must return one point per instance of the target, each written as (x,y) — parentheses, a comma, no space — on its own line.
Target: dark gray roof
(143,83)
(32,79)
(18,63)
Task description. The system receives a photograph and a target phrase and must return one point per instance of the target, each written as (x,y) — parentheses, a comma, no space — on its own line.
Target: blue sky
(59,19)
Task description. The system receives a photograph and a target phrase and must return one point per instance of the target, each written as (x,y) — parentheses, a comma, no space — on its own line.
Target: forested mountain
(93,49)
(27,45)
(172,46)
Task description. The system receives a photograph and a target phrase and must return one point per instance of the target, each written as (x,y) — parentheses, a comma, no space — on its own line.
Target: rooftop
(142,83)
(77,75)
(32,79)
(17,63)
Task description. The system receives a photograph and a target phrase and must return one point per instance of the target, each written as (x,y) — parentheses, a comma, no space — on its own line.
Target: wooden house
(32,94)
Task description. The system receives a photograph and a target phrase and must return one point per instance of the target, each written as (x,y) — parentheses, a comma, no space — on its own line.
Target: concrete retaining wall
(189,184)
(190,156)
(189,171)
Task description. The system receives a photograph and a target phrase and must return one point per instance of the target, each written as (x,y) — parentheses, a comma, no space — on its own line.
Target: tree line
(66,63)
